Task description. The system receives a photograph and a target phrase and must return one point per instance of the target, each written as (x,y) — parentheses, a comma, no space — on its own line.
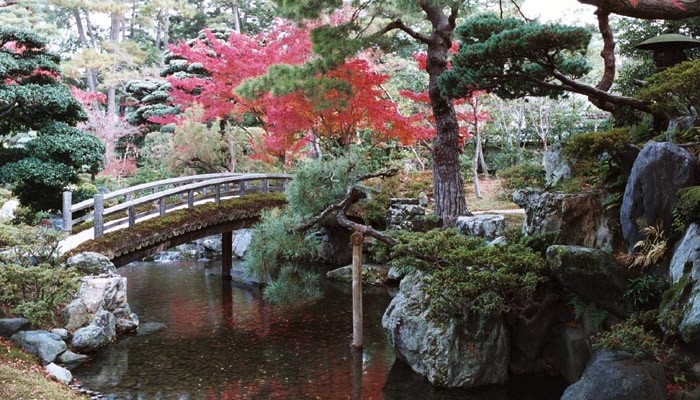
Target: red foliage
(467,109)
(87,98)
(355,102)
(229,64)
(342,113)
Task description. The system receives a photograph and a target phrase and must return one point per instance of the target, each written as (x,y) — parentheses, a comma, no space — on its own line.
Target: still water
(223,341)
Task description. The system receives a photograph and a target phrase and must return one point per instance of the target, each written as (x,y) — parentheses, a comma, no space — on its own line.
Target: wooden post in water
(226,255)
(357,238)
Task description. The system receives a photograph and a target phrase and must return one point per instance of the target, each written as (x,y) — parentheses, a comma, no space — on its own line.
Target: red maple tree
(333,116)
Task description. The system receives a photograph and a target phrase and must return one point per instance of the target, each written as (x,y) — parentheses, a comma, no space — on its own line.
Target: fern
(651,249)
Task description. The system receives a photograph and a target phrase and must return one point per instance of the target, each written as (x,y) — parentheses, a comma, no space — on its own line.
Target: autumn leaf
(634,3)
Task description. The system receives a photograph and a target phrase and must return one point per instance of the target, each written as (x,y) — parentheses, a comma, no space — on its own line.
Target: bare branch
(8,109)
(382,174)
(601,95)
(520,11)
(398,24)
(353,194)
(454,12)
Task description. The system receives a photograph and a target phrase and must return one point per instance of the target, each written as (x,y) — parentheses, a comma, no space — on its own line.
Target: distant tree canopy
(36,109)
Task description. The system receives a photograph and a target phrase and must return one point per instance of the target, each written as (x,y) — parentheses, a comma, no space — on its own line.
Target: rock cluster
(93,319)
(579,218)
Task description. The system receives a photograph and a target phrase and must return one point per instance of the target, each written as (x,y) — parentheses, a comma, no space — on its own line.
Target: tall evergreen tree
(35,104)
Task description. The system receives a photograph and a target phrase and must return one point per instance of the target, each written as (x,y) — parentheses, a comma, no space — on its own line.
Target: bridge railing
(160,197)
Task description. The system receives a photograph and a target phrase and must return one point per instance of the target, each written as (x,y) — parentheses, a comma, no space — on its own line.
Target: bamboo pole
(357,238)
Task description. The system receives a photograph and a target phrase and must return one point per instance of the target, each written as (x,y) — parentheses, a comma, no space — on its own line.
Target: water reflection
(224,342)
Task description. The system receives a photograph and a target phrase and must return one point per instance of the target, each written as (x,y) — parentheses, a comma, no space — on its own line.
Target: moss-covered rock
(591,274)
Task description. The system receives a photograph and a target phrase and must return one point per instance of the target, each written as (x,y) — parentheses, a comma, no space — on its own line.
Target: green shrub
(522,176)
(540,242)
(688,203)
(28,245)
(630,336)
(466,276)
(645,291)
(274,243)
(36,293)
(597,159)
(674,91)
(590,145)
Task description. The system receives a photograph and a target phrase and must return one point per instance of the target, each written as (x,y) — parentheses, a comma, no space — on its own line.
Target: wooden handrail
(221,185)
(150,185)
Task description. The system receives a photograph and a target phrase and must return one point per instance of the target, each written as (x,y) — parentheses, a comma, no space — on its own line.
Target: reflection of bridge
(155,216)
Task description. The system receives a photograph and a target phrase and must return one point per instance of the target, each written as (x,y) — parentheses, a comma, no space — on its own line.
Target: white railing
(164,196)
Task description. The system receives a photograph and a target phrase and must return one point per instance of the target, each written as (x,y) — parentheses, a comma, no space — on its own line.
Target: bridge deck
(158,234)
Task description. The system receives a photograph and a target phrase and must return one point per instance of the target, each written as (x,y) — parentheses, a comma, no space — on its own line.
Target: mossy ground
(22,378)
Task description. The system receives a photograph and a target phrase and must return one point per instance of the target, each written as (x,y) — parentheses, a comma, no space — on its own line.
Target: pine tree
(35,104)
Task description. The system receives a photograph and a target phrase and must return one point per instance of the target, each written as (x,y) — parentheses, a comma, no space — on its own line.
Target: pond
(222,341)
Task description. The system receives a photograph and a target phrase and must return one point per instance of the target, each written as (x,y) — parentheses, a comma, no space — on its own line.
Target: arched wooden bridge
(136,222)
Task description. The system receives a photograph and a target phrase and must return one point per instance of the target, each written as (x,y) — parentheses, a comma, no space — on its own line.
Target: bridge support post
(357,238)
(226,255)
(66,214)
(98,217)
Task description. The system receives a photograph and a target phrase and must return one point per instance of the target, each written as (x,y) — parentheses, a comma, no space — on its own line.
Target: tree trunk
(475,164)
(448,185)
(89,73)
(236,16)
(90,33)
(649,9)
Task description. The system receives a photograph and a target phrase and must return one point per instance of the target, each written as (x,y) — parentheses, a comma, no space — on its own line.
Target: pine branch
(352,196)
(398,24)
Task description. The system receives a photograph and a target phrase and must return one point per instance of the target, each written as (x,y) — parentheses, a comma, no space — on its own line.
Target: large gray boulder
(90,263)
(684,295)
(487,226)
(7,211)
(75,315)
(59,373)
(618,376)
(579,218)
(464,353)
(241,241)
(43,344)
(102,292)
(10,326)
(570,352)
(591,274)
(686,256)
(650,195)
(101,331)
(556,167)
(334,245)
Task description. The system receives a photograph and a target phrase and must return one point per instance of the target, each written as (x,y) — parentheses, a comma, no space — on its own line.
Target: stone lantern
(669,49)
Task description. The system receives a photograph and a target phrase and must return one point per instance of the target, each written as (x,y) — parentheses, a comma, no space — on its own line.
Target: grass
(21,377)
(493,195)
